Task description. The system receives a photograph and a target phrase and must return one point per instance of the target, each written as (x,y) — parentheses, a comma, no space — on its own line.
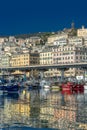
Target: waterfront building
(19,60)
(70,54)
(34,58)
(46,58)
(24,59)
(5,60)
(63,55)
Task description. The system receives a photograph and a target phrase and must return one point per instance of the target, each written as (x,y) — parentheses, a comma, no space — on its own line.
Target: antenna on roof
(72,25)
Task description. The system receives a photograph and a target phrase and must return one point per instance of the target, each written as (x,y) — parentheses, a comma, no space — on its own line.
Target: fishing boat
(85,86)
(71,86)
(66,88)
(45,84)
(1,87)
(8,83)
(34,86)
(55,86)
(11,87)
(2,82)
(78,87)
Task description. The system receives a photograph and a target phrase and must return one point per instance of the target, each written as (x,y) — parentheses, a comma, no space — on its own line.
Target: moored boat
(44,84)
(1,87)
(55,86)
(9,87)
(78,87)
(85,87)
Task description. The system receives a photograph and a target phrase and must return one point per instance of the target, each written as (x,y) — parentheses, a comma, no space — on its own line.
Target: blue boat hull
(1,87)
(13,88)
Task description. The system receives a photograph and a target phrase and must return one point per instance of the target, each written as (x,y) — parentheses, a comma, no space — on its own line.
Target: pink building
(70,54)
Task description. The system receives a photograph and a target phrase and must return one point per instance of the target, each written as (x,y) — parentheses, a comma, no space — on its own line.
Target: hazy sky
(26,16)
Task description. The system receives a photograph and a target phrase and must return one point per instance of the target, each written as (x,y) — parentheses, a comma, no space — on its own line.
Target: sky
(30,16)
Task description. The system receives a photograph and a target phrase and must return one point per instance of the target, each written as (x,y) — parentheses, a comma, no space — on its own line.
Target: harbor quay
(41,69)
(43,81)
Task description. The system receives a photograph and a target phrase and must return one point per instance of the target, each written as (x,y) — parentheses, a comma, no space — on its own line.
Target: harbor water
(43,109)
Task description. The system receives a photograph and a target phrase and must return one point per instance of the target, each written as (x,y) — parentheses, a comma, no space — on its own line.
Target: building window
(76,57)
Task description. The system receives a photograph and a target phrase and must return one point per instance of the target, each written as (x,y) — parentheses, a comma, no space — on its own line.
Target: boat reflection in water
(43,109)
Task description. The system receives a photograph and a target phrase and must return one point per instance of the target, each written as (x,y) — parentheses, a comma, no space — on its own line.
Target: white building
(82,32)
(56,37)
(2,40)
(75,40)
(61,41)
(12,39)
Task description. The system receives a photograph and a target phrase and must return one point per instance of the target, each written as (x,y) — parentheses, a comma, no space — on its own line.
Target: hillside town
(64,47)
(28,100)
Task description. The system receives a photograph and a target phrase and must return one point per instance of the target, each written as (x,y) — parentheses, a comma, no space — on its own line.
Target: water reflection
(43,109)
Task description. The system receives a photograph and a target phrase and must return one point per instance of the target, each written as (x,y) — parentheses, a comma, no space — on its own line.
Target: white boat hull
(46,86)
(85,87)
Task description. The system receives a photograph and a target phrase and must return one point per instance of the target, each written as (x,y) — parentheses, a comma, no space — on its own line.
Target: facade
(34,58)
(61,41)
(85,41)
(20,41)
(19,60)
(2,40)
(82,32)
(34,40)
(5,60)
(56,37)
(63,55)
(46,58)
(70,54)
(24,59)
(76,41)
(12,39)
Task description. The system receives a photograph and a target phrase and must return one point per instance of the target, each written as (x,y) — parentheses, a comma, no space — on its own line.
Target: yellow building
(19,60)
(24,59)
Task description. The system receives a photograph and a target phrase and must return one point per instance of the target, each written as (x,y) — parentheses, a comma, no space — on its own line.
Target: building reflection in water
(44,109)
